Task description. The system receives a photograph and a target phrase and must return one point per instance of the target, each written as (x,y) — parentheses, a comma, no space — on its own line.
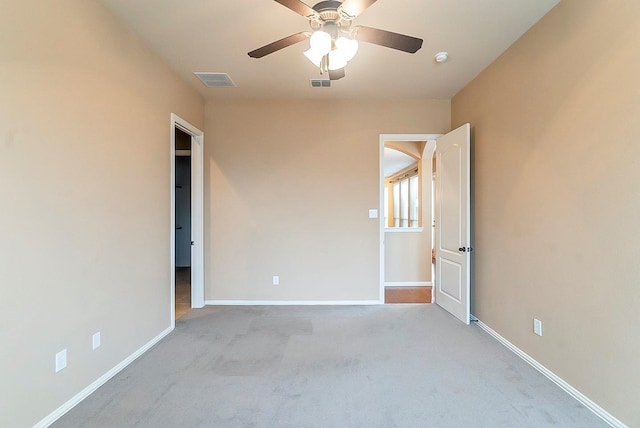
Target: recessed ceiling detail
(215,80)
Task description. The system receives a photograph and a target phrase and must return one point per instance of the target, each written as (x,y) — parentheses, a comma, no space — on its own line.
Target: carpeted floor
(363,366)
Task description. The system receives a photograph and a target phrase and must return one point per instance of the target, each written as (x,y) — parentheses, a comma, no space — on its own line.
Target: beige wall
(289,185)
(557,185)
(407,256)
(84,185)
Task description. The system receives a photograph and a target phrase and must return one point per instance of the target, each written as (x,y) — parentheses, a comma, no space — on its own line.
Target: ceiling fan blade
(279,44)
(388,39)
(336,74)
(300,8)
(354,8)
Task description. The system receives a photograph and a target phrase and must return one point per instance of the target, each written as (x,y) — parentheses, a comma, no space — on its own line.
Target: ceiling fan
(334,42)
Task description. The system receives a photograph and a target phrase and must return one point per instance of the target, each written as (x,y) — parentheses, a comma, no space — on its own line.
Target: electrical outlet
(537,327)
(276,280)
(61,360)
(95,341)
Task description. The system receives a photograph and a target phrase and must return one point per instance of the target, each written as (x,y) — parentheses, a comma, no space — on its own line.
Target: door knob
(462,249)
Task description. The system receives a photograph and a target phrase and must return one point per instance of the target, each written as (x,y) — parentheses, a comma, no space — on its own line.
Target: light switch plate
(537,327)
(373,213)
(95,341)
(61,360)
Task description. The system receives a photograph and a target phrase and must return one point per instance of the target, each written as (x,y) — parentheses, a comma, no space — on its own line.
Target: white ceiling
(395,161)
(215,36)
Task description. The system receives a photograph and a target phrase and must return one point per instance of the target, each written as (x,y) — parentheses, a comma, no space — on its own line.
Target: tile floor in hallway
(407,294)
(183,291)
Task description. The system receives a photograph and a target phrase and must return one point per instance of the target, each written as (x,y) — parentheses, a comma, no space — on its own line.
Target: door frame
(197,213)
(431,141)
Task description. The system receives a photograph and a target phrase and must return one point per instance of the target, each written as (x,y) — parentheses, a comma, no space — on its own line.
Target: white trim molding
(404,229)
(291,302)
(76,399)
(583,399)
(409,284)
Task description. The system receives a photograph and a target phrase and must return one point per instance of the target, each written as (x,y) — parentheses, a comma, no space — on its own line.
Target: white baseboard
(57,414)
(290,302)
(583,399)
(409,284)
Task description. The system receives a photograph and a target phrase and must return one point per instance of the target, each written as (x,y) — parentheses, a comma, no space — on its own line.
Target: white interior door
(453,222)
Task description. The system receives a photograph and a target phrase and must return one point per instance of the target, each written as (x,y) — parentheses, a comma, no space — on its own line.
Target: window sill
(403,229)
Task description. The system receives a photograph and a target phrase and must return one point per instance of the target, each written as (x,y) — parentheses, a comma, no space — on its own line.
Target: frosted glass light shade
(313,56)
(347,47)
(336,60)
(320,42)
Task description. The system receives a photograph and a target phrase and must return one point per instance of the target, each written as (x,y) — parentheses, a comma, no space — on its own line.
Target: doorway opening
(450,217)
(183,223)
(187,218)
(406,227)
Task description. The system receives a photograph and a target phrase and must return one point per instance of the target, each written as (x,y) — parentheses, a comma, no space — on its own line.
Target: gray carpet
(371,366)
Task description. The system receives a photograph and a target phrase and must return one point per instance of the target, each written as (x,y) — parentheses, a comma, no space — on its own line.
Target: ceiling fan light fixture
(336,60)
(344,49)
(334,41)
(347,47)
(314,56)
(320,43)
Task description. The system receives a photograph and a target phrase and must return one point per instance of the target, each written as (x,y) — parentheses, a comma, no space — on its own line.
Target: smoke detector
(441,57)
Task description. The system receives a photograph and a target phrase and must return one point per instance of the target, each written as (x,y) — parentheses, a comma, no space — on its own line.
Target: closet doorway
(187,217)
(183,223)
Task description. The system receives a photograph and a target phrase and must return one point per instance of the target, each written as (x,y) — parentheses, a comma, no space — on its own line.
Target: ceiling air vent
(215,80)
(320,83)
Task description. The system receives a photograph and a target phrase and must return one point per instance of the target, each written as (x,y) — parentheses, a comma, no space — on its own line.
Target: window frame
(403,202)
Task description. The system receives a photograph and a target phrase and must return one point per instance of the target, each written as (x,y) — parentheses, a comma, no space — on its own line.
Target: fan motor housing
(326,5)
(328,11)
